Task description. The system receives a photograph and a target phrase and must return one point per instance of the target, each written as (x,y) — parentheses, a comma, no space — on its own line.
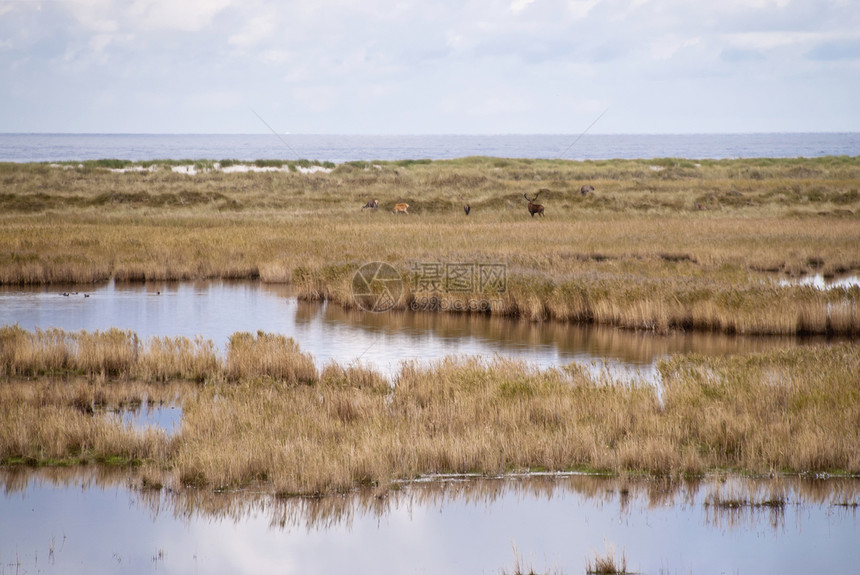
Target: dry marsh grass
(66,422)
(607,563)
(175,358)
(783,410)
(268,355)
(521,568)
(300,430)
(660,244)
(110,354)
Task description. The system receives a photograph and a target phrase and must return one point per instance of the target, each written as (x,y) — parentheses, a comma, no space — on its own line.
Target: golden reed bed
(267,415)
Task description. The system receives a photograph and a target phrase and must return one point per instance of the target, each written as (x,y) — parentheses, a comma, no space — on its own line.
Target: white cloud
(746,5)
(520,5)
(667,46)
(92,15)
(317,99)
(215,100)
(376,92)
(583,105)
(256,30)
(100,42)
(275,56)
(770,40)
(456,40)
(298,72)
(581,8)
(516,65)
(185,15)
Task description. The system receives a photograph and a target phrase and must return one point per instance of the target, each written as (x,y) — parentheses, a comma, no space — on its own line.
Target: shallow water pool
(67,521)
(216,309)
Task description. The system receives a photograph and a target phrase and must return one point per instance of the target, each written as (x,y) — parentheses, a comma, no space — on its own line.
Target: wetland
(169,340)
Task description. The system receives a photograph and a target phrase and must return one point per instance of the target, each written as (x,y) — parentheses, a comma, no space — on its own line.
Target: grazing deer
(466,207)
(400,208)
(533,207)
(372,204)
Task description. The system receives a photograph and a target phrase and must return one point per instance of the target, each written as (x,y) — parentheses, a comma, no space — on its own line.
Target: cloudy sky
(429,67)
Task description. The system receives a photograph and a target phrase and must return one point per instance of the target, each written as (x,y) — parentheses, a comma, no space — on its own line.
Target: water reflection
(550,342)
(89,520)
(216,309)
(165,417)
(821,282)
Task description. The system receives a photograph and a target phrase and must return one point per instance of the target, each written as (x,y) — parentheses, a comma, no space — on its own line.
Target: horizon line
(430,134)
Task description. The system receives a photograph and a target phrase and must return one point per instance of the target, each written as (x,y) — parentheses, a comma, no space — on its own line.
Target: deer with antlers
(533,207)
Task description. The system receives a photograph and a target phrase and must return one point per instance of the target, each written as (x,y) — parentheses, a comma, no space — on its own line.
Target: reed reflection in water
(216,309)
(91,520)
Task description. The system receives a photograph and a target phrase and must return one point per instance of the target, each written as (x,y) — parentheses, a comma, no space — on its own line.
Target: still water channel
(74,521)
(94,520)
(217,309)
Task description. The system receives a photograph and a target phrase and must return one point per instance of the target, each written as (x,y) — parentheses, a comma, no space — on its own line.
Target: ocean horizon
(339,148)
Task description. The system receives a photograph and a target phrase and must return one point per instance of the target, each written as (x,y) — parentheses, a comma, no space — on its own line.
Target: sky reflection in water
(217,309)
(66,521)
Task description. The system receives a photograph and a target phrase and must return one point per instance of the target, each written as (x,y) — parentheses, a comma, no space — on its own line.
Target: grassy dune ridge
(267,414)
(660,244)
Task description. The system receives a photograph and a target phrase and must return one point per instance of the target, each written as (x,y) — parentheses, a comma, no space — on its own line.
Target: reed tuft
(171,358)
(607,564)
(268,355)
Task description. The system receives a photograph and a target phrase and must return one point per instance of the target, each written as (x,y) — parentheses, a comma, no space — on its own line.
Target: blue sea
(344,148)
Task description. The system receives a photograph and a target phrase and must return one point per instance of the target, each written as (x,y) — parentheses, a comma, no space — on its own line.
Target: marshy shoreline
(662,245)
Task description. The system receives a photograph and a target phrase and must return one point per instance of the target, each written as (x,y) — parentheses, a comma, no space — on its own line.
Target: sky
(429,67)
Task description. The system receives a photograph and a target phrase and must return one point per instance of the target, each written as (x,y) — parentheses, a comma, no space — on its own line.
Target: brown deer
(466,207)
(400,208)
(372,204)
(533,207)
